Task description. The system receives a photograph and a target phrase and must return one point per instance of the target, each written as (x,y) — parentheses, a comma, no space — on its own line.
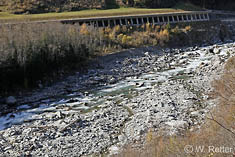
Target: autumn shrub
(175,30)
(31,52)
(163,36)
(148,27)
(188,28)
(84,30)
(44,6)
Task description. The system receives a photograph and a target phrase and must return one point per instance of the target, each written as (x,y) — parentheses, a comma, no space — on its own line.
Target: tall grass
(225,87)
(31,52)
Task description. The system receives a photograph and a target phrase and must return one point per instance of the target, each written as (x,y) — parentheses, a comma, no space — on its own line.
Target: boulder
(216,50)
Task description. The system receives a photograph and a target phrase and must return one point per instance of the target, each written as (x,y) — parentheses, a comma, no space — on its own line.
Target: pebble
(172,104)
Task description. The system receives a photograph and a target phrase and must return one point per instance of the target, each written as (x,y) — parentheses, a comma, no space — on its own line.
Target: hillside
(42,6)
(45,6)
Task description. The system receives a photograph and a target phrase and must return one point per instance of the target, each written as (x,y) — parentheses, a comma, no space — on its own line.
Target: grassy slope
(84,13)
(7,17)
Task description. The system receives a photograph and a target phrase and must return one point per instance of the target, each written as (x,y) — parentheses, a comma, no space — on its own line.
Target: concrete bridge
(135,20)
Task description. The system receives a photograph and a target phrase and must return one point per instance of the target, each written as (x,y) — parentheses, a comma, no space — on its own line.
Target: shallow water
(73,103)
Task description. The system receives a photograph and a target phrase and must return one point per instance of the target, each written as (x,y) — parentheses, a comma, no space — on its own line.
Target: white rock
(216,50)
(195,113)
(59,114)
(176,123)
(122,138)
(113,150)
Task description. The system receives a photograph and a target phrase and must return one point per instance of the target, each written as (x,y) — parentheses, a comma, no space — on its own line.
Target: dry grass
(29,52)
(216,138)
(211,134)
(225,87)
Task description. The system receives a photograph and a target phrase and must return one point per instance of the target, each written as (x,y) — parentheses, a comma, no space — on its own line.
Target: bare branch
(213,119)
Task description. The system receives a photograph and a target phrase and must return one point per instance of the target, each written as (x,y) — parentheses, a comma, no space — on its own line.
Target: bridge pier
(158,20)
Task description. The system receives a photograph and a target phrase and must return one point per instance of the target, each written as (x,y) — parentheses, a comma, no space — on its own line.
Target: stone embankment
(116,102)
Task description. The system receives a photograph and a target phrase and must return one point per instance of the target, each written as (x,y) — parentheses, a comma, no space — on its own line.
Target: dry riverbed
(115,103)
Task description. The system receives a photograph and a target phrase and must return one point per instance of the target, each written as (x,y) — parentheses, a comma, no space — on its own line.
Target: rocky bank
(115,103)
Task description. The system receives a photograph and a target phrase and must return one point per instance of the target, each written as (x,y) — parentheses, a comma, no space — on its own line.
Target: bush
(163,36)
(34,52)
(30,52)
(43,6)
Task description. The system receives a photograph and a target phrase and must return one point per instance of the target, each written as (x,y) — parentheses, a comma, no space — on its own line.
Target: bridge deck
(135,20)
(159,18)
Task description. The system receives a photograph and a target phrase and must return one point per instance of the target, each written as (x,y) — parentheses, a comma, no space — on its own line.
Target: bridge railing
(156,19)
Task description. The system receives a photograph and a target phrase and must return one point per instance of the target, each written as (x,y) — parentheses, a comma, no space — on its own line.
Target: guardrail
(135,20)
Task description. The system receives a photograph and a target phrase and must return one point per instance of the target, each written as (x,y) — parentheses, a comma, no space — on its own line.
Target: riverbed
(116,102)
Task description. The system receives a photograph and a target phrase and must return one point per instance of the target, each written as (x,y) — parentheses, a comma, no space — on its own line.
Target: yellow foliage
(143,27)
(84,30)
(157,28)
(129,38)
(117,29)
(148,27)
(149,136)
(163,36)
(153,27)
(124,39)
(175,30)
(112,35)
(188,28)
(165,33)
(119,37)
(108,30)
(113,32)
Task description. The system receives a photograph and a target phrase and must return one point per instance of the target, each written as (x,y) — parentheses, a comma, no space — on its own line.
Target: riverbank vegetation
(32,52)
